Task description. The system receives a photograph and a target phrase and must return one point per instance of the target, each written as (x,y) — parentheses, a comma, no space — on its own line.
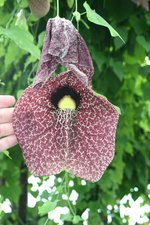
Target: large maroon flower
(81,139)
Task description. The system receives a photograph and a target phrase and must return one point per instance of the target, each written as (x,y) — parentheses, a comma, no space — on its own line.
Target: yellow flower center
(67,103)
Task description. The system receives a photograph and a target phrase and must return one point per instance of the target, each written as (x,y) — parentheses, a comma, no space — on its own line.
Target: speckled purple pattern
(80,141)
(63,45)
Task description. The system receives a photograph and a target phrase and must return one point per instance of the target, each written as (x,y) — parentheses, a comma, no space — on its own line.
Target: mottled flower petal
(53,136)
(63,45)
(80,141)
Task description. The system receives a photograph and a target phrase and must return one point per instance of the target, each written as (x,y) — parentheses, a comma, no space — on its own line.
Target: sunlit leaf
(22,38)
(97,19)
(76,219)
(2,2)
(66,217)
(21,20)
(47,207)
(117,68)
(70,3)
(7,154)
(143,42)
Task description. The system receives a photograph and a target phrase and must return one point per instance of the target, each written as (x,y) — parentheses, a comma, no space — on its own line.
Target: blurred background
(122,74)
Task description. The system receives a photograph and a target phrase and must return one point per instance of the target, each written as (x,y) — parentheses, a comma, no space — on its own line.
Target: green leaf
(47,207)
(13,189)
(23,3)
(45,194)
(30,60)
(2,2)
(117,109)
(19,93)
(13,52)
(2,83)
(117,68)
(147,16)
(66,217)
(22,38)
(143,42)
(129,148)
(124,34)
(2,50)
(43,221)
(41,39)
(76,219)
(7,154)
(70,3)
(97,19)
(98,57)
(21,20)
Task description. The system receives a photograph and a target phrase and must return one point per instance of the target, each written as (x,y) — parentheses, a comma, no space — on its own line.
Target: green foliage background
(122,74)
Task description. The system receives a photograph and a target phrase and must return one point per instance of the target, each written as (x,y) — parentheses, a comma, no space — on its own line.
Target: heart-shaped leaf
(97,19)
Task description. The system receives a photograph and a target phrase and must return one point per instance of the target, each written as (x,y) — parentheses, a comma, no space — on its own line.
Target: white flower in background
(47,185)
(6,206)
(56,213)
(73,197)
(85,214)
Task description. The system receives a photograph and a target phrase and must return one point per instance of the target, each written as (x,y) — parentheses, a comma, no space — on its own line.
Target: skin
(7,136)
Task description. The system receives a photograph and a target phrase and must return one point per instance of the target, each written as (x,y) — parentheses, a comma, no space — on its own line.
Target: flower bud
(39,8)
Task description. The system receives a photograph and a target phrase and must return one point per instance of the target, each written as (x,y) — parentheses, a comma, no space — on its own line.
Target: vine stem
(11,18)
(67,193)
(46,221)
(76,3)
(76,10)
(58,8)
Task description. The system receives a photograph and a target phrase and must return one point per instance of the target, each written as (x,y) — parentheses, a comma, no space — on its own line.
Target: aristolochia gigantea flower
(59,122)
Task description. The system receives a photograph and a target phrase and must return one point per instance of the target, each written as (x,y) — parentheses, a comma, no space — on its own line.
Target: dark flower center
(65,98)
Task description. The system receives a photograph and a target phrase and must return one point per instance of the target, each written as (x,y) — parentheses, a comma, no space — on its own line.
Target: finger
(8,142)
(6,129)
(6,115)
(6,101)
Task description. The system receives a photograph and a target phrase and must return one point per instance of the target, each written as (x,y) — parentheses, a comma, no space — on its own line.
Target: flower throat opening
(65,98)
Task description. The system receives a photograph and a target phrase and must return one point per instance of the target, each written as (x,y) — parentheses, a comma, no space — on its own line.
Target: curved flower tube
(59,122)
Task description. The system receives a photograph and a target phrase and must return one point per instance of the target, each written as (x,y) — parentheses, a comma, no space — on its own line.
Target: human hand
(7,136)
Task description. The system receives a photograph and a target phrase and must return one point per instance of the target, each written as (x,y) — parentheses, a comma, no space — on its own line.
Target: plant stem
(78,25)
(76,3)
(11,18)
(67,193)
(46,221)
(58,8)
